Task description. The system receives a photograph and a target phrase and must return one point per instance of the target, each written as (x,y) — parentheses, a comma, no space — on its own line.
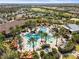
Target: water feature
(43,29)
(32,35)
(36,37)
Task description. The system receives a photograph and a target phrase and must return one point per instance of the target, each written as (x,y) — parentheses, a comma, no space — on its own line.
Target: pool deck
(25,48)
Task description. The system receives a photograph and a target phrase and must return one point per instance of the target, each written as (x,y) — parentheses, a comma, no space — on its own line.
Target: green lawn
(69,57)
(77,48)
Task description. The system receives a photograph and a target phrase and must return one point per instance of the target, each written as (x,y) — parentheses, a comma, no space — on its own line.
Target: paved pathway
(59,53)
(75,53)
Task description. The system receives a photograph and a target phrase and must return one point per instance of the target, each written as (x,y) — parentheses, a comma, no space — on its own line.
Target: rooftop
(75,19)
(72,27)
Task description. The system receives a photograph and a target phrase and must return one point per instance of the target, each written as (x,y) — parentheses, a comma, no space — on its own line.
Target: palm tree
(18,29)
(66,56)
(56,35)
(12,31)
(45,35)
(11,54)
(27,23)
(20,41)
(35,55)
(38,21)
(42,54)
(77,57)
(32,40)
(6,52)
(1,37)
(41,34)
(75,37)
(2,49)
(61,34)
(50,21)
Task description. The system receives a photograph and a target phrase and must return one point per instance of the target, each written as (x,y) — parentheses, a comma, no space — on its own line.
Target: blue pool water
(43,29)
(31,35)
(28,36)
(35,36)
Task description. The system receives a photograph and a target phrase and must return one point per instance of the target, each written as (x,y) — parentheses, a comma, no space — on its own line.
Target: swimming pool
(37,37)
(28,36)
(34,35)
(43,29)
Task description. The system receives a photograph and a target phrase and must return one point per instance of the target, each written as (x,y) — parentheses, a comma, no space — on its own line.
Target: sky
(39,1)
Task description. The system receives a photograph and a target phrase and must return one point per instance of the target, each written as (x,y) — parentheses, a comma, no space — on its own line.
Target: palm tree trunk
(56,41)
(0,57)
(33,46)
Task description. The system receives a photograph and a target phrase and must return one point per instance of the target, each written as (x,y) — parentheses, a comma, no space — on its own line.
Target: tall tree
(32,40)
(45,35)
(12,31)
(1,37)
(56,35)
